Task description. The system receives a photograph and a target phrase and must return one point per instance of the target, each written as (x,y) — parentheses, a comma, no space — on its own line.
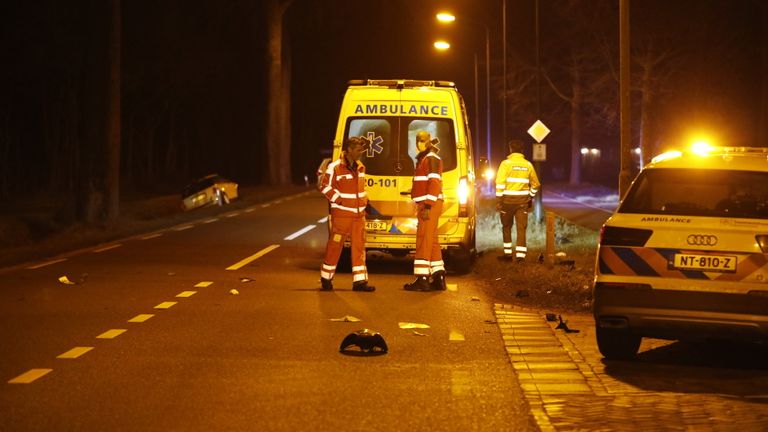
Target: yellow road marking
(74,353)
(151,236)
(203,284)
(106,248)
(452,287)
(141,318)
(111,334)
(29,376)
(253,257)
(186,294)
(455,336)
(47,263)
(165,305)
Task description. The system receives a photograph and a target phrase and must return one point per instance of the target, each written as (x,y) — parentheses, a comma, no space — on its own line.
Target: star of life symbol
(375,144)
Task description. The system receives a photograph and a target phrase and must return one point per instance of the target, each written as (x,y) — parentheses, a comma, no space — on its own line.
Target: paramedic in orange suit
(343,183)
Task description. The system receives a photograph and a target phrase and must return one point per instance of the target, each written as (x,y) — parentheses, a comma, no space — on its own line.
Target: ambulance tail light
(463,193)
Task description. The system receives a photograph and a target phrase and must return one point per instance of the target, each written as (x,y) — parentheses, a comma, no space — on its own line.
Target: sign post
(538,131)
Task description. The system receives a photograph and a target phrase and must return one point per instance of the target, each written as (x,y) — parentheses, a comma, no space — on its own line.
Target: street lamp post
(445,17)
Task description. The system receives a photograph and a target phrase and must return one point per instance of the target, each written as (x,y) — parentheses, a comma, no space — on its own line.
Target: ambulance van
(685,256)
(389,113)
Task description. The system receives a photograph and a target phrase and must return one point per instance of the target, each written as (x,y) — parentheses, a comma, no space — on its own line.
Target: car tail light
(616,236)
(762,240)
(463,194)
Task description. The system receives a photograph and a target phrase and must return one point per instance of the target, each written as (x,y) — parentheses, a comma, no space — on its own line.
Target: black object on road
(368,341)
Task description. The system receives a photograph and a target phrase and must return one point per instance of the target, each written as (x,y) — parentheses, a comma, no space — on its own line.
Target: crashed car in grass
(212,189)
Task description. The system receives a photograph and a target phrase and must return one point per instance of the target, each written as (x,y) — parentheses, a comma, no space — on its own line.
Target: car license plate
(376,226)
(714,263)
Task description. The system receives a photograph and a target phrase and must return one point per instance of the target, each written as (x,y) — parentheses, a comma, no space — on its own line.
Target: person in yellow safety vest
(343,183)
(516,185)
(427,194)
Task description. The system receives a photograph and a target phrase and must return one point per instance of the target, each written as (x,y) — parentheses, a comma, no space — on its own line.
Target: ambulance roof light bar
(403,83)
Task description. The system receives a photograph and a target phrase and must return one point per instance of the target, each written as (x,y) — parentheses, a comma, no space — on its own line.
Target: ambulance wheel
(345,261)
(461,260)
(617,344)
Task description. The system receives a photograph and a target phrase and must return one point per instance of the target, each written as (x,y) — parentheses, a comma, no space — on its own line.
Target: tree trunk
(112,180)
(576,102)
(278,122)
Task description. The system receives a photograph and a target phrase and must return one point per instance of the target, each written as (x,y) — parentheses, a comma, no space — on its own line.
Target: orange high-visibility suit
(427,192)
(344,186)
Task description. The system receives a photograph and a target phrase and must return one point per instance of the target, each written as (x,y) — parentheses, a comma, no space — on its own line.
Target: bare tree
(279,86)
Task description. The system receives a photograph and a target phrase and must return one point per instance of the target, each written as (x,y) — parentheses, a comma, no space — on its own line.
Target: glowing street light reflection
(442,45)
(446,17)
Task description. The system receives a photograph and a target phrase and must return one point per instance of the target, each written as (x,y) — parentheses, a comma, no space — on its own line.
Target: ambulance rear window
(393,149)
(698,192)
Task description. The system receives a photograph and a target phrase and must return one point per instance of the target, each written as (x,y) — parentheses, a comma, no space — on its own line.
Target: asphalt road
(150,337)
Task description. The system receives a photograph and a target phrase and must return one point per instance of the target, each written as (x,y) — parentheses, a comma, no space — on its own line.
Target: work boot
(326,284)
(363,286)
(438,281)
(420,284)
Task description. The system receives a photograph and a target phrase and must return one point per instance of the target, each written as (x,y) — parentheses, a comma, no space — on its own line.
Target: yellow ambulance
(389,113)
(685,256)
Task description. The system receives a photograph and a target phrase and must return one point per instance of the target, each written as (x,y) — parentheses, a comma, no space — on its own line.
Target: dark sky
(194,78)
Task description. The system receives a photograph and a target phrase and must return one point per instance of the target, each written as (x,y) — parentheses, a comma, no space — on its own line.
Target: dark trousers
(516,214)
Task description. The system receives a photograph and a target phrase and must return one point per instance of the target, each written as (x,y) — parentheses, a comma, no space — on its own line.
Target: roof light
(666,156)
(442,45)
(701,148)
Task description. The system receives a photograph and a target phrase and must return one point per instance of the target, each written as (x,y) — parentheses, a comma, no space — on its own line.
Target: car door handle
(405,193)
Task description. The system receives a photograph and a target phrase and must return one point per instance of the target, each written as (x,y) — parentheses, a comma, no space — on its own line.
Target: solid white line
(182,228)
(253,257)
(233,214)
(47,263)
(151,236)
(323,220)
(300,232)
(207,221)
(106,248)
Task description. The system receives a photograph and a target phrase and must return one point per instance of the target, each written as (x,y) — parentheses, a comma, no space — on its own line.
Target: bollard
(549,251)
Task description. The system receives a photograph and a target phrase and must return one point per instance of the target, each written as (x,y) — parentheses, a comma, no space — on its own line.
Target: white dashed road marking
(151,236)
(300,232)
(47,263)
(203,284)
(183,227)
(141,318)
(74,353)
(106,248)
(253,257)
(165,305)
(111,334)
(29,376)
(186,294)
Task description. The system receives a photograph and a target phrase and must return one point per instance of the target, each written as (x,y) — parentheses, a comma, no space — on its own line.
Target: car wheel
(617,344)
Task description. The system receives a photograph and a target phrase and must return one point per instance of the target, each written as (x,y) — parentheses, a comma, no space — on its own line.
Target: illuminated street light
(442,45)
(445,17)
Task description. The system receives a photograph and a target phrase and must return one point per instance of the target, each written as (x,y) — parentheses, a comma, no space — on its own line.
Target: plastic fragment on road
(246,279)
(522,293)
(346,318)
(560,254)
(415,333)
(474,298)
(65,280)
(551,317)
(489,321)
(410,325)
(563,325)
(368,341)
(234,291)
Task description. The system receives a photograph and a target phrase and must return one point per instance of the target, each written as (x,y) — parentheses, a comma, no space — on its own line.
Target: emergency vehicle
(389,113)
(685,256)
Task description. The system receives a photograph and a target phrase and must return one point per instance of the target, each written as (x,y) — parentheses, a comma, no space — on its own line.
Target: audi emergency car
(685,256)
(389,113)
